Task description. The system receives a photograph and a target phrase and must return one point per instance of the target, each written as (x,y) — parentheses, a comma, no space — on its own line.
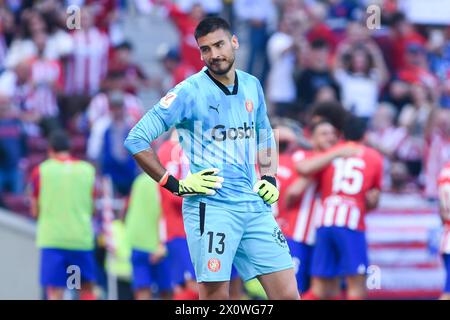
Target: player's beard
(221,66)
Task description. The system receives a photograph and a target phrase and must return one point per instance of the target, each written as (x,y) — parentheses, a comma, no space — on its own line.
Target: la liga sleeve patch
(167,100)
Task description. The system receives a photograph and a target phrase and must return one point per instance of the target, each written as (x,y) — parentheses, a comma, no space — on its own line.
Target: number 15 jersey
(344,184)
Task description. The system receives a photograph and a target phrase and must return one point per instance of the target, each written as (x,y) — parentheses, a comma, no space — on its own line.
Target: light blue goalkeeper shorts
(218,238)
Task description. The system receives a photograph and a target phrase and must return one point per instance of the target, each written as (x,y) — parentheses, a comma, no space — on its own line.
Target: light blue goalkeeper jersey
(218,128)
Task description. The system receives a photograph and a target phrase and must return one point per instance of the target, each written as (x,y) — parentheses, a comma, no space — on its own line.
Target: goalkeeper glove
(200,183)
(267,189)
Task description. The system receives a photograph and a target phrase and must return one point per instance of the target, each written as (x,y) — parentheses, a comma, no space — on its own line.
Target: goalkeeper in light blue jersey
(221,118)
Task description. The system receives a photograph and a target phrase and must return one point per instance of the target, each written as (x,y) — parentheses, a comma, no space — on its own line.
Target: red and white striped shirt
(340,212)
(437,156)
(344,185)
(298,222)
(88,64)
(46,76)
(444,200)
(304,218)
(99,107)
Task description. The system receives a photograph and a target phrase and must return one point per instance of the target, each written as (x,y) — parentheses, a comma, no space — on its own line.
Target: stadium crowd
(307,54)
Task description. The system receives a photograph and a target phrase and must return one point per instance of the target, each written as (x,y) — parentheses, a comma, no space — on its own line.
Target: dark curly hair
(331,111)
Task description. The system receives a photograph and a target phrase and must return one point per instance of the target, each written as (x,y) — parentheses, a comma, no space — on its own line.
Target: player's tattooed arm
(268,162)
(267,186)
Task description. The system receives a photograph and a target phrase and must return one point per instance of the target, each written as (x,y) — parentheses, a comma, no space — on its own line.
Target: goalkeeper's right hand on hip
(204,182)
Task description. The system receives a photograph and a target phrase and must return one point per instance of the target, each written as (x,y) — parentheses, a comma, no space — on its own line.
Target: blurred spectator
(316,74)
(176,69)
(415,68)
(340,12)
(400,178)
(281,86)
(383,134)
(385,137)
(439,60)
(356,34)
(413,120)
(298,17)
(46,81)
(259,15)
(88,64)
(32,86)
(59,43)
(402,34)
(186,22)
(16,84)
(398,94)
(361,73)
(318,29)
(135,77)
(7,24)
(23,48)
(415,115)
(105,144)
(325,94)
(12,148)
(439,150)
(99,105)
(228,13)
(107,18)
(211,7)
(6,34)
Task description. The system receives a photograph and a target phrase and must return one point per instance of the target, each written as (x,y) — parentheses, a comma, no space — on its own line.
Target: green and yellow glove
(267,189)
(204,182)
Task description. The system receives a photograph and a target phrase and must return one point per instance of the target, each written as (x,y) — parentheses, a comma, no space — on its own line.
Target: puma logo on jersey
(215,108)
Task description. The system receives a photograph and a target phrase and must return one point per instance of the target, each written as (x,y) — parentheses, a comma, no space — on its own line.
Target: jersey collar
(222,86)
(64,158)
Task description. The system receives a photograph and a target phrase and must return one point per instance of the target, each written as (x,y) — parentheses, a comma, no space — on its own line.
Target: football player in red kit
(299,201)
(350,187)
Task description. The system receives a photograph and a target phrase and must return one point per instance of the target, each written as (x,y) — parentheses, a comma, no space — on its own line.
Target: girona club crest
(214,264)
(249,105)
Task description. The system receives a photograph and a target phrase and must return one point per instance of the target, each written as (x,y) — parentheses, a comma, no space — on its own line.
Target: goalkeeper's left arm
(266,187)
(267,153)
